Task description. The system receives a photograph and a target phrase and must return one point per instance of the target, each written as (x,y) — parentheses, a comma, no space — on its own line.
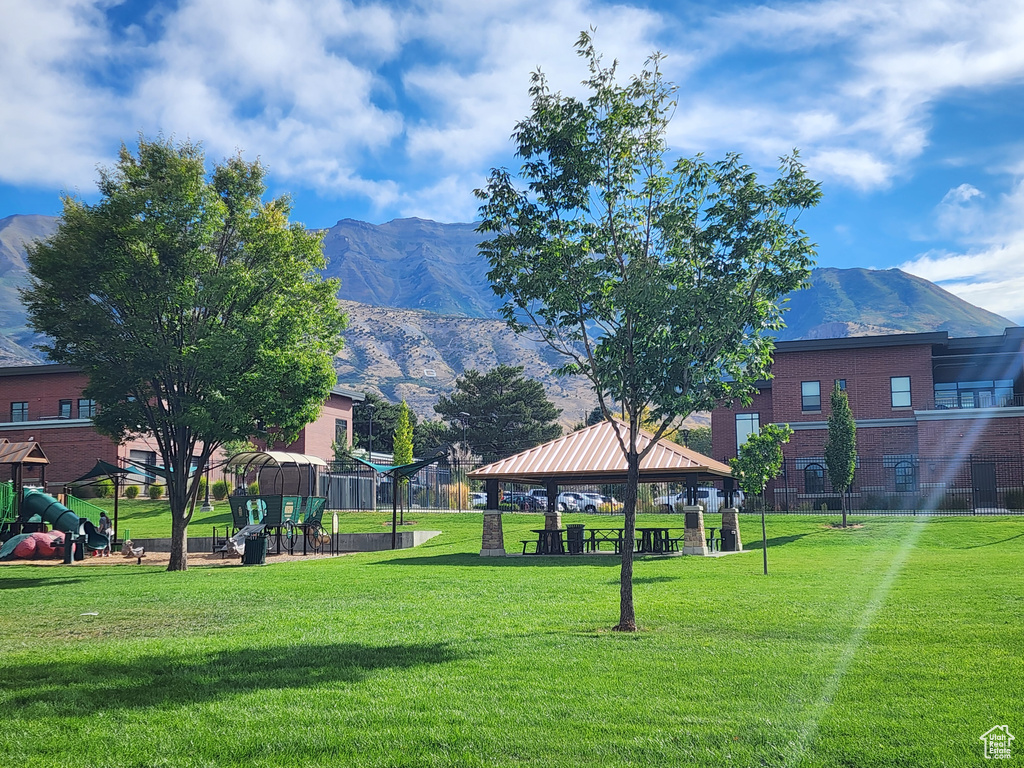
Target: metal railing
(907,485)
(954,403)
(83,508)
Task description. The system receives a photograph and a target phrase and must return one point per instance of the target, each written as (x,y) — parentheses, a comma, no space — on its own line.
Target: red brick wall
(43,393)
(72,451)
(867,373)
(723,423)
(959,438)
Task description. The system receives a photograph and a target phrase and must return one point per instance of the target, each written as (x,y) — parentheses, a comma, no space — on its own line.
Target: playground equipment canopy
(260,459)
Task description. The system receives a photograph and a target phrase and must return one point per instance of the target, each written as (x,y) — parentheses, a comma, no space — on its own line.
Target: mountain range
(422,311)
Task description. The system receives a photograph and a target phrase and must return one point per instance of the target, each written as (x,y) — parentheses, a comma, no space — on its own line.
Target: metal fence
(891,486)
(904,485)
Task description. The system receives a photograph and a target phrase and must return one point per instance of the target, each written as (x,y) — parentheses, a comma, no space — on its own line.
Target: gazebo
(592,456)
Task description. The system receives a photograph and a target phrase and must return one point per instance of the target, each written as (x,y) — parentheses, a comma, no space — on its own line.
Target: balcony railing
(980,400)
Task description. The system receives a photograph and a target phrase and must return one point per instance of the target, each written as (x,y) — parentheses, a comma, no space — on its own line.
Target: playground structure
(290,512)
(25,512)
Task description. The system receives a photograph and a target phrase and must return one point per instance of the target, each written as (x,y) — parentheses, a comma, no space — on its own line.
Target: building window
(841,385)
(747,424)
(906,476)
(64,409)
(86,408)
(814,478)
(810,395)
(19,411)
(900,391)
(341,432)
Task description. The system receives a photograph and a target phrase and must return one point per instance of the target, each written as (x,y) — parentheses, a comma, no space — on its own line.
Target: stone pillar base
(493,544)
(731,521)
(694,538)
(552,521)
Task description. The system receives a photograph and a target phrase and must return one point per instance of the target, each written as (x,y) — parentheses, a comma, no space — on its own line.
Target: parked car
(525,502)
(713,499)
(477,499)
(569,501)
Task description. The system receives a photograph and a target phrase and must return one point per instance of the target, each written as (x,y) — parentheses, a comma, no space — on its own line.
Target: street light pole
(207,507)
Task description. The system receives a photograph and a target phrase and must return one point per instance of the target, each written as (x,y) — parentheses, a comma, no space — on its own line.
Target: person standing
(106,528)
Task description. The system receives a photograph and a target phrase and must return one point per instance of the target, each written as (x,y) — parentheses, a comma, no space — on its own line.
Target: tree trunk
(627,616)
(842,503)
(181,510)
(179,543)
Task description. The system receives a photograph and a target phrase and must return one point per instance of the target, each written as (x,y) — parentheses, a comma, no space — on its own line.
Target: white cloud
(987,272)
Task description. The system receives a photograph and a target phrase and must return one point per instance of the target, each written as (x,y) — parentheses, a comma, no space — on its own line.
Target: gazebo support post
(552,515)
(694,540)
(731,541)
(493,543)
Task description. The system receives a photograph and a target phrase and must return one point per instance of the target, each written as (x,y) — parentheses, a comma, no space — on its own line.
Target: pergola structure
(592,456)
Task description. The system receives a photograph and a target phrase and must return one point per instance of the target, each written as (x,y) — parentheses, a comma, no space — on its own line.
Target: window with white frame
(900,386)
(747,424)
(810,395)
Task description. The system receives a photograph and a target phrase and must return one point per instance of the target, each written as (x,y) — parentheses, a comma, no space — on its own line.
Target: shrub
(458,496)
(952,501)
(104,488)
(221,489)
(254,488)
(131,492)
(202,487)
(156,491)
(1014,499)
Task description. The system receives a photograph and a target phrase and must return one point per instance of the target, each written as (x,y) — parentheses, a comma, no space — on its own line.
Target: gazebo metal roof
(592,455)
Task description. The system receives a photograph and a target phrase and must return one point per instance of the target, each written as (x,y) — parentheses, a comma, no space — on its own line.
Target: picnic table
(549,541)
(652,540)
(599,536)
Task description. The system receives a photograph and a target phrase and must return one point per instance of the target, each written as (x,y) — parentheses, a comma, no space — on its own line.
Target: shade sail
(400,470)
(593,455)
(106,469)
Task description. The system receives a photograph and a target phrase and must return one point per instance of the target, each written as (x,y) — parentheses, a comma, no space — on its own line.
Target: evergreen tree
(841,447)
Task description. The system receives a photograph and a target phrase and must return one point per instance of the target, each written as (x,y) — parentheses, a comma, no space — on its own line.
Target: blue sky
(910,113)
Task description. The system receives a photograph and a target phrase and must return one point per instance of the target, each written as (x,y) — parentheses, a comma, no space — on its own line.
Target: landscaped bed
(895,643)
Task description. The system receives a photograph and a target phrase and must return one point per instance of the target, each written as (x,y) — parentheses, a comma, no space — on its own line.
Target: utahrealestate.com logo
(997,742)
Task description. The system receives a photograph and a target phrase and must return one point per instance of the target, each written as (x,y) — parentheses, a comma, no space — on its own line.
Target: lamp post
(464,418)
(207,506)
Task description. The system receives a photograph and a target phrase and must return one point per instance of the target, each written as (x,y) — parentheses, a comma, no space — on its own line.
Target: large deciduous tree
(659,281)
(841,446)
(195,308)
(506,412)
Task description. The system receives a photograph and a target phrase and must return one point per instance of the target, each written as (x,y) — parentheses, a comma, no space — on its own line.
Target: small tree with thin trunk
(403,449)
(841,447)
(760,462)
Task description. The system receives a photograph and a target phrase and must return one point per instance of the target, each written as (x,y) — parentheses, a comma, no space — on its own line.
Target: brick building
(932,412)
(45,403)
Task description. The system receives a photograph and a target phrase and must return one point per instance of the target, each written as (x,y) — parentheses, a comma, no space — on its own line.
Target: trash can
(574,538)
(255,550)
(729,540)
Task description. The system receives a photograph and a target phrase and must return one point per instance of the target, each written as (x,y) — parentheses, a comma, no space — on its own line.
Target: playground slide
(61,518)
(236,544)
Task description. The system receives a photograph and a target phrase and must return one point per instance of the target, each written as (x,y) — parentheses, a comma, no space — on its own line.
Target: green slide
(61,518)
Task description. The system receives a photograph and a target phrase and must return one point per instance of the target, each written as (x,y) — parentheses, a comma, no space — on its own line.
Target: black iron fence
(894,485)
(904,485)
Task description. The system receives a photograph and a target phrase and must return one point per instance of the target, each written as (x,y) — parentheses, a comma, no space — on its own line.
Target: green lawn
(898,643)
